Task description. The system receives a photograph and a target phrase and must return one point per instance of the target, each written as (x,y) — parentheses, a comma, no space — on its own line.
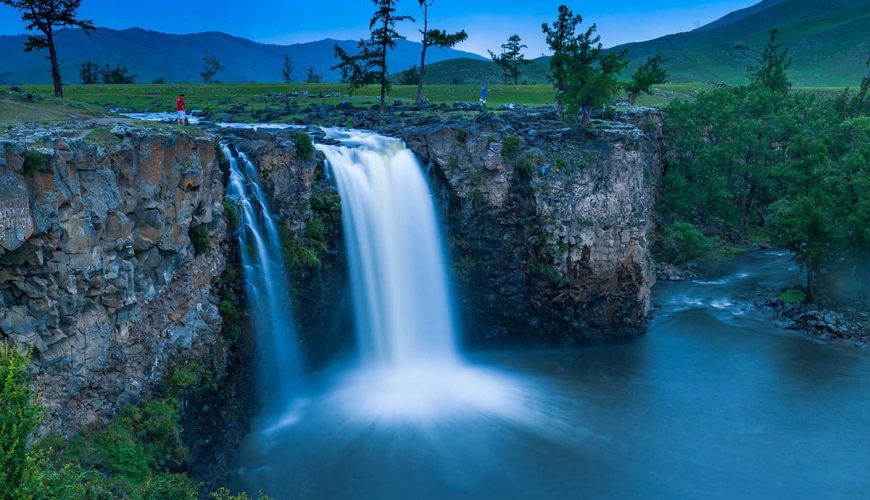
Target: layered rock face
(548,225)
(98,274)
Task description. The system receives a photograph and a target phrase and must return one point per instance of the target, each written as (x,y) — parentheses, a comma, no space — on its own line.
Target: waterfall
(395,251)
(267,283)
(405,325)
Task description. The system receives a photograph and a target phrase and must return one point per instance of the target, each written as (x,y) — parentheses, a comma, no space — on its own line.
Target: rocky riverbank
(843,324)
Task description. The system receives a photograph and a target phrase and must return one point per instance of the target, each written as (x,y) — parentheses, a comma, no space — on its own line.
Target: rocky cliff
(110,242)
(549,225)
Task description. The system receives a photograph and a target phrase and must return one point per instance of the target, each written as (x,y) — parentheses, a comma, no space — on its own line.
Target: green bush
(462,136)
(199,239)
(681,242)
(793,296)
(304,146)
(231,212)
(174,486)
(34,162)
(18,417)
(157,424)
(510,147)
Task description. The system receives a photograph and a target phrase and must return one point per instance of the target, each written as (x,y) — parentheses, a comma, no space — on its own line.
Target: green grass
(94,101)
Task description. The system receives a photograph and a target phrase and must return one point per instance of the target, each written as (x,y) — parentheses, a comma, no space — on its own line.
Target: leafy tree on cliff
(511,59)
(369,64)
(211,66)
(560,37)
(433,38)
(772,65)
(48,18)
(287,69)
(648,74)
(591,74)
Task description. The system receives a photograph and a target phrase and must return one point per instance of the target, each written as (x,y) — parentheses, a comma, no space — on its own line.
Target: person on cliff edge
(181,116)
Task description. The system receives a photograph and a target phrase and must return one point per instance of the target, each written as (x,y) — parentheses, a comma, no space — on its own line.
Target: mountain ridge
(178,57)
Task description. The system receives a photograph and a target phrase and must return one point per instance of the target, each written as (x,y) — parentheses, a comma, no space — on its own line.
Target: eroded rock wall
(549,226)
(98,275)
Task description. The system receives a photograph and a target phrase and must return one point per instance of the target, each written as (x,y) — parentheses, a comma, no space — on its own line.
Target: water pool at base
(713,402)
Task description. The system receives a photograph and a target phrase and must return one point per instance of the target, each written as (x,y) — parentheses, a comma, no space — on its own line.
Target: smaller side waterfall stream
(267,284)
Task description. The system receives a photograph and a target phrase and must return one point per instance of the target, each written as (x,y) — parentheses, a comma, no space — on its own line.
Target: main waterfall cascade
(267,284)
(406,327)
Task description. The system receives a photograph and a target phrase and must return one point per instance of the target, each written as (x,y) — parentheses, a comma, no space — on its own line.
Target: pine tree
(560,35)
(311,76)
(591,76)
(433,38)
(89,73)
(287,69)
(648,74)
(511,59)
(210,67)
(48,18)
(772,65)
(369,64)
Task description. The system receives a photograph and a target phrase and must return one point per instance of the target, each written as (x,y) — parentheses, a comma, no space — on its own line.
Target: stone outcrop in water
(549,225)
(99,277)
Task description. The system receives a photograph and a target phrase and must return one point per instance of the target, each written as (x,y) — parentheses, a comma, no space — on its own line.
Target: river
(713,402)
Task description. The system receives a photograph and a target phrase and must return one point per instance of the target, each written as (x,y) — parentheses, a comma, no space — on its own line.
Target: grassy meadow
(91,101)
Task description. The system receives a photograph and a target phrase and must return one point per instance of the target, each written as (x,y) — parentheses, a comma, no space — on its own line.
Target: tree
(210,67)
(560,36)
(648,74)
(90,73)
(770,69)
(311,76)
(511,59)
(433,38)
(369,64)
(805,220)
(591,77)
(287,69)
(49,18)
(117,75)
(410,76)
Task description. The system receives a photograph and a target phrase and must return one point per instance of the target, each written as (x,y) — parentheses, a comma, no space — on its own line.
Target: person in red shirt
(181,117)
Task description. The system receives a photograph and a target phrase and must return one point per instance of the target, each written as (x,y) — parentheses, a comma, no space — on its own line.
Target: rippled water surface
(713,402)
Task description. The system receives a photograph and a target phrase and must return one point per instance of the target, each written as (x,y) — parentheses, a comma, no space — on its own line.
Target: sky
(488,23)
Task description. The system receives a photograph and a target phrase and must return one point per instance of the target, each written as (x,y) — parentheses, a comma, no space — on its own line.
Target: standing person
(181,117)
(484,90)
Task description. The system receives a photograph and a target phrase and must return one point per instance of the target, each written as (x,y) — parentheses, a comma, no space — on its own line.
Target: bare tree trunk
(811,281)
(55,70)
(422,74)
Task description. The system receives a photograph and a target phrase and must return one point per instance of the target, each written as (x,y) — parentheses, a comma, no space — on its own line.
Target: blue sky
(488,23)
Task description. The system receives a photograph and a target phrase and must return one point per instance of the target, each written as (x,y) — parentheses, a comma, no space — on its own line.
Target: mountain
(829,43)
(177,58)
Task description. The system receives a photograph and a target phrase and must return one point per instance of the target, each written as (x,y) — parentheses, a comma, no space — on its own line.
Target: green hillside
(828,41)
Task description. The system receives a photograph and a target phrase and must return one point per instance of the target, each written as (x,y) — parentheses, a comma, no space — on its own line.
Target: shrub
(18,416)
(157,424)
(793,296)
(681,242)
(231,212)
(510,147)
(34,162)
(462,136)
(199,239)
(304,146)
(174,486)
